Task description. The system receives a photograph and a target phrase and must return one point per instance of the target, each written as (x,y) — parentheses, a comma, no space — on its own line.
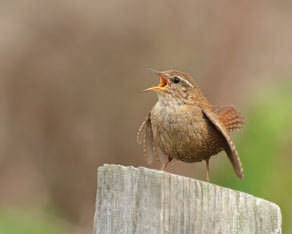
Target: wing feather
(145,137)
(230,147)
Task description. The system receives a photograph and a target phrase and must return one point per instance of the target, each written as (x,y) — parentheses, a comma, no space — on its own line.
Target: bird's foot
(164,166)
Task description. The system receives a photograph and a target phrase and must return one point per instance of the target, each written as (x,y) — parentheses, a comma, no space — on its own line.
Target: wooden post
(140,200)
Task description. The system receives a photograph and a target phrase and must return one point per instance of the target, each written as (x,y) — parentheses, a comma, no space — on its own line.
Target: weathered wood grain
(140,200)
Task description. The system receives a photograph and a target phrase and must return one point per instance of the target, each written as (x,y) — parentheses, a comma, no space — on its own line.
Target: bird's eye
(176,80)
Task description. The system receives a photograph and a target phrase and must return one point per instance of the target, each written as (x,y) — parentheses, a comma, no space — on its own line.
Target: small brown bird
(183,125)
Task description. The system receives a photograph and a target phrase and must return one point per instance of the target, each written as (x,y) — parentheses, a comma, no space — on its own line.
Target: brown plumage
(183,125)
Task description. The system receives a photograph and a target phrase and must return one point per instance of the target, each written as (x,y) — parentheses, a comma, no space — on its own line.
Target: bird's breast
(182,132)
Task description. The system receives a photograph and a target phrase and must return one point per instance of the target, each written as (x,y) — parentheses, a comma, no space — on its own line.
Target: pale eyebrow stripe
(189,83)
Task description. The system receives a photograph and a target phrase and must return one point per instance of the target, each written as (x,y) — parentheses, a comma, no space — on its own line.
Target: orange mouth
(161,86)
(163,81)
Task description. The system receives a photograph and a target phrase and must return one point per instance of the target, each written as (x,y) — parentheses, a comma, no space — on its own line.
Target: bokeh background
(71,81)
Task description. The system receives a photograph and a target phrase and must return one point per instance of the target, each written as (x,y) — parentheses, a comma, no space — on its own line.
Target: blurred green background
(72,75)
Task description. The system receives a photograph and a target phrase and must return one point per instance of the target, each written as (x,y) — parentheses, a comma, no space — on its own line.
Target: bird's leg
(207,170)
(164,165)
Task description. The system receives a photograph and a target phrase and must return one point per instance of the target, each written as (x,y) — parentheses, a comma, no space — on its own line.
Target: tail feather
(230,117)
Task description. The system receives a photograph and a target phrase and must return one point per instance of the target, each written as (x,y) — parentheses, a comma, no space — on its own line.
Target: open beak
(161,86)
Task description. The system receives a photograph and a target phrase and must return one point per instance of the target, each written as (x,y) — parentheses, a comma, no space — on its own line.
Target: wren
(183,125)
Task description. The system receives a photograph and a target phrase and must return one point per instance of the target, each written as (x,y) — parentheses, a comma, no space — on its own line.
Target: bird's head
(174,85)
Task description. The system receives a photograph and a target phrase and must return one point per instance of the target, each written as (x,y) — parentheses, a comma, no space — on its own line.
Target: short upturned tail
(230,117)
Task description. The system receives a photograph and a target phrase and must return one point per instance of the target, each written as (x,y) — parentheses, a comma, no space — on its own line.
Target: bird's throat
(169,99)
